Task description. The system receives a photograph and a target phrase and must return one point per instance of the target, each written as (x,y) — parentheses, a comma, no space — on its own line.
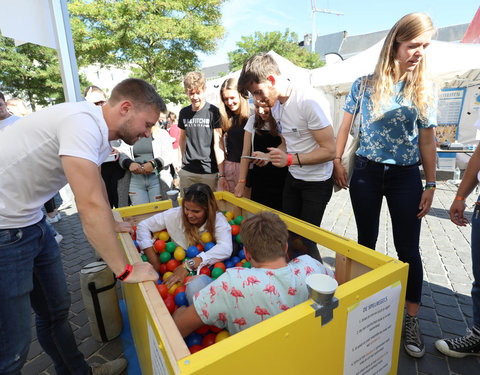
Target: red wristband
(289,160)
(126,273)
(459,198)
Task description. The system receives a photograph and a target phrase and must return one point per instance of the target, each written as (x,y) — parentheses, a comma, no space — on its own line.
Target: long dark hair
(201,195)
(259,123)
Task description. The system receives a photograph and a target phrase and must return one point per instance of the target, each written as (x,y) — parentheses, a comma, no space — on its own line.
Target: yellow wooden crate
(363,337)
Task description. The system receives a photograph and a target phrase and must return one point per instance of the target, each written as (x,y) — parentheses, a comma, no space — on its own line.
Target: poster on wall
(450,103)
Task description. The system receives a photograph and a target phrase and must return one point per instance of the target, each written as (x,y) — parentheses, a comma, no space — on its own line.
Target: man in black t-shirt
(201,142)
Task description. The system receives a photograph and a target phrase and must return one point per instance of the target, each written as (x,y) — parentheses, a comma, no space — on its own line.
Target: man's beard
(126,135)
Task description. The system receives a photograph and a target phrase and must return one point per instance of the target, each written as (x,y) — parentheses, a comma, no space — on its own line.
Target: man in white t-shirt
(41,153)
(303,118)
(6,118)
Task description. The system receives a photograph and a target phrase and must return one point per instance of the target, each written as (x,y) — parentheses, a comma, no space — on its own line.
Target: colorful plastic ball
(220,265)
(222,335)
(144,258)
(239,264)
(159,246)
(134,236)
(164,236)
(181,299)
(135,243)
(173,288)
(163,290)
(134,227)
(202,330)
(216,272)
(163,268)
(215,329)
(241,254)
(229,263)
(205,271)
(179,254)
(170,246)
(208,339)
(206,237)
(172,264)
(236,259)
(156,234)
(235,229)
(247,265)
(169,301)
(208,246)
(165,257)
(199,247)
(195,348)
(229,215)
(192,252)
(193,339)
(185,281)
(231,222)
(166,275)
(238,239)
(238,220)
(180,289)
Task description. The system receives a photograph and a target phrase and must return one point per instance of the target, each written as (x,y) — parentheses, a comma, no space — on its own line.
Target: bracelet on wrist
(126,273)
(430,187)
(289,160)
(299,162)
(242,181)
(459,198)
(338,157)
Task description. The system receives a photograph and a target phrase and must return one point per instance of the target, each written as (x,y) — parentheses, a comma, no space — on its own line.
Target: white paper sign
(370,333)
(158,363)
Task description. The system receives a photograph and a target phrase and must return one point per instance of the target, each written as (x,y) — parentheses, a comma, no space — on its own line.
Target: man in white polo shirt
(304,120)
(6,118)
(66,142)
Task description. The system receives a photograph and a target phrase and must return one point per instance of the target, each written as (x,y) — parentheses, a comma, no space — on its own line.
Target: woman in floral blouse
(398,116)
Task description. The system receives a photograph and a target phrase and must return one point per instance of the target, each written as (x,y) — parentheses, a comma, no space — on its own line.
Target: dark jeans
(31,276)
(476,264)
(307,200)
(402,187)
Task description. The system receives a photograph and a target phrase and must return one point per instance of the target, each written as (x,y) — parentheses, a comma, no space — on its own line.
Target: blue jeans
(31,276)
(144,188)
(476,264)
(402,187)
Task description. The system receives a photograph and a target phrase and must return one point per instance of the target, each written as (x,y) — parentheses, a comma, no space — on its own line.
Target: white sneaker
(52,220)
(59,216)
(58,237)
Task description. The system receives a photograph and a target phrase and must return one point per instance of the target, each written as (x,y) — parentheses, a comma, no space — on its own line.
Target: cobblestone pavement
(446,303)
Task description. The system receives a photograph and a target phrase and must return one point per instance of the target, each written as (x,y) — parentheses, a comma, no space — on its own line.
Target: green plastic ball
(165,257)
(144,258)
(216,272)
(231,222)
(247,265)
(238,239)
(170,246)
(238,220)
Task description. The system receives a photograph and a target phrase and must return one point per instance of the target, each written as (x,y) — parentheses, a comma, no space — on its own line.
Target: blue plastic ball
(192,252)
(229,263)
(235,260)
(181,299)
(193,339)
(135,243)
(241,254)
(208,246)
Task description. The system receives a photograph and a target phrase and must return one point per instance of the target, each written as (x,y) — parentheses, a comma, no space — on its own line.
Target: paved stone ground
(446,303)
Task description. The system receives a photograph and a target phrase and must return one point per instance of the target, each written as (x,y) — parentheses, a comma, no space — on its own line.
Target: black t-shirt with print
(199,126)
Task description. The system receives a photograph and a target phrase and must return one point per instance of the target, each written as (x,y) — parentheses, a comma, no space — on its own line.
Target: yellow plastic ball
(163,235)
(166,275)
(229,215)
(173,287)
(157,234)
(222,335)
(206,237)
(179,254)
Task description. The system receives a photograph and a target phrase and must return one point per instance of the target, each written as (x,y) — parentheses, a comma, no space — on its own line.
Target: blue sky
(244,17)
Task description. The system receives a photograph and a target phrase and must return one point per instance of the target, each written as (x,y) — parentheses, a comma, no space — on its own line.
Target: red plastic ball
(162,289)
(159,246)
(170,303)
(195,348)
(209,339)
(220,265)
(199,247)
(172,264)
(239,264)
(205,271)
(163,268)
(215,329)
(185,281)
(235,229)
(178,290)
(203,329)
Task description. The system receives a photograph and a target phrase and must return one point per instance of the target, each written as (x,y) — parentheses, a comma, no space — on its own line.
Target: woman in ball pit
(185,225)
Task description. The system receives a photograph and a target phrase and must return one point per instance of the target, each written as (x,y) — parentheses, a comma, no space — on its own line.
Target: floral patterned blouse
(243,297)
(393,138)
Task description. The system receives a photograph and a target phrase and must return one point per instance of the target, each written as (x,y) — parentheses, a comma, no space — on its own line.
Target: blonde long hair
(387,71)
(225,112)
(202,195)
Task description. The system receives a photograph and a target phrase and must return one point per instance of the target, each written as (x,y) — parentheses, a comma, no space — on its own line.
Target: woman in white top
(185,225)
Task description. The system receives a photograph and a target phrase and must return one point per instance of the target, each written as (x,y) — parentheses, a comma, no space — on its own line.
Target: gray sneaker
(412,340)
(114,367)
(461,346)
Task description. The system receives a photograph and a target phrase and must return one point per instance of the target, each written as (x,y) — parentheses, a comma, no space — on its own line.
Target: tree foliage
(31,72)
(285,44)
(158,40)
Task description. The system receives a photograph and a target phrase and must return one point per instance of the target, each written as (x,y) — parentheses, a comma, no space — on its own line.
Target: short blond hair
(265,236)
(194,81)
